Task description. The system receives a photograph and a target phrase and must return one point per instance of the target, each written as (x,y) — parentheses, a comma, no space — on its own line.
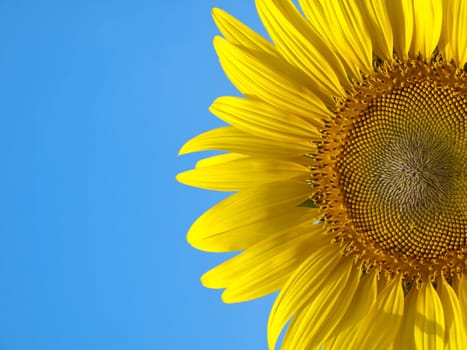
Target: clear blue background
(96,99)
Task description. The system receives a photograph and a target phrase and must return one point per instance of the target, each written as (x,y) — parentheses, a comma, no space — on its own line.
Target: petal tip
(227,297)
(181,177)
(217,13)
(219,42)
(183,150)
(191,238)
(206,280)
(188,147)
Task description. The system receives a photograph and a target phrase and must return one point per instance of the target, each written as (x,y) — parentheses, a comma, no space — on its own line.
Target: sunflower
(347,157)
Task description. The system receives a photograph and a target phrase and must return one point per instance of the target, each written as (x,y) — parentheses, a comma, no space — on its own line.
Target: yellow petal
(264,267)
(231,139)
(400,14)
(243,173)
(219,159)
(462,294)
(313,325)
(378,329)
(363,300)
(341,24)
(405,338)
(379,27)
(302,47)
(308,281)
(339,341)
(455,329)
(249,216)
(429,319)
(423,323)
(228,157)
(238,33)
(271,79)
(428,18)
(258,118)
(453,43)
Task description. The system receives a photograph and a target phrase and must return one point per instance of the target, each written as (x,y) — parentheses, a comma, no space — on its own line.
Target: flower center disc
(393,169)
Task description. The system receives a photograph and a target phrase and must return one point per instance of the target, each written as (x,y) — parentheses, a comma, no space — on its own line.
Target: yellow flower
(347,153)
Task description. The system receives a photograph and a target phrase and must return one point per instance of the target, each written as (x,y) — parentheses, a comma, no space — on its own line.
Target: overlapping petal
(219,159)
(401,16)
(243,173)
(453,44)
(238,33)
(360,306)
(261,119)
(405,337)
(231,139)
(423,324)
(462,294)
(249,216)
(363,300)
(455,332)
(308,283)
(376,18)
(271,79)
(317,321)
(264,267)
(378,329)
(343,27)
(303,47)
(429,319)
(428,20)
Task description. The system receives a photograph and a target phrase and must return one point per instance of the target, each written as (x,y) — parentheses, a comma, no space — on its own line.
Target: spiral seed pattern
(392,169)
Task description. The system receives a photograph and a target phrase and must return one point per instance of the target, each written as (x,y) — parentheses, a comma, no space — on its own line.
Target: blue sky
(96,99)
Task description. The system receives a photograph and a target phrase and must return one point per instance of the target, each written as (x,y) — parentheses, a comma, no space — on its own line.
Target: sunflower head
(347,157)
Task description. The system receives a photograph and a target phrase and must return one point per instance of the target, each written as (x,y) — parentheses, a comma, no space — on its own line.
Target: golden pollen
(392,169)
